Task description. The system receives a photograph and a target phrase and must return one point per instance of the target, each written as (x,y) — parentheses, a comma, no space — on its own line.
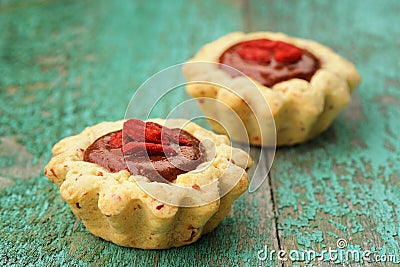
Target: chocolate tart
(160,189)
(306,84)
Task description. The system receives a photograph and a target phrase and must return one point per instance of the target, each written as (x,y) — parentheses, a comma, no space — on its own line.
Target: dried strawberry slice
(140,131)
(116,140)
(150,138)
(261,50)
(254,54)
(154,133)
(287,53)
(176,137)
(260,43)
(153,125)
(141,148)
(134,129)
(183,141)
(170,134)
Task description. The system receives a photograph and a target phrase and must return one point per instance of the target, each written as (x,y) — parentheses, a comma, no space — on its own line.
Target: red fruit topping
(285,52)
(183,141)
(116,140)
(260,43)
(254,54)
(269,62)
(148,149)
(141,148)
(149,137)
(263,49)
(137,130)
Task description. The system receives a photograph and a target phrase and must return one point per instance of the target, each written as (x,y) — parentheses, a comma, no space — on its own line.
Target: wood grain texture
(345,184)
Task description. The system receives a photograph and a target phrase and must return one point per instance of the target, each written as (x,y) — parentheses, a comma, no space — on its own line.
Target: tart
(150,185)
(305,84)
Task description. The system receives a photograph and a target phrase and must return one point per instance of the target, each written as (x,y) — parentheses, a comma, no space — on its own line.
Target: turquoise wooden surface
(68,64)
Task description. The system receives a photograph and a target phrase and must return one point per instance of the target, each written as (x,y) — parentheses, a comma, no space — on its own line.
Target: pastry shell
(115,206)
(301,109)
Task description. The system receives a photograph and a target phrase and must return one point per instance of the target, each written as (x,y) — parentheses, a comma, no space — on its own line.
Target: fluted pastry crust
(116,207)
(301,109)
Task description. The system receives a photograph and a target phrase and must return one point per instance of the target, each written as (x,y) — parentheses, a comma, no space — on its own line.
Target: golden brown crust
(116,206)
(301,109)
